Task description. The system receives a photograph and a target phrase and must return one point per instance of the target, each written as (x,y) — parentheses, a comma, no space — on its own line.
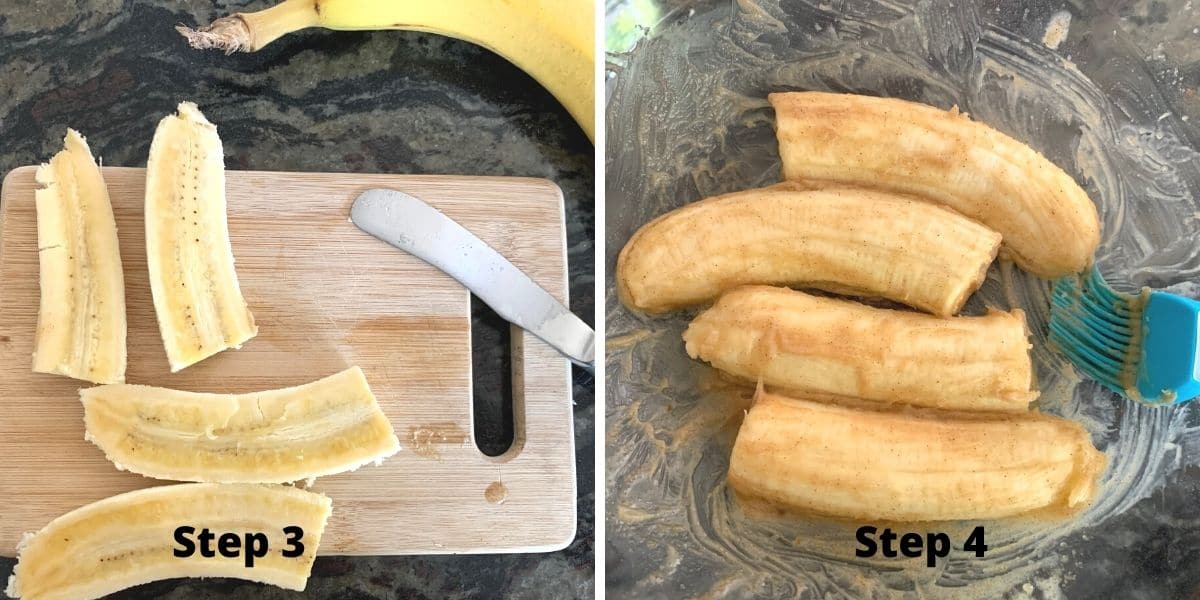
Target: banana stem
(250,32)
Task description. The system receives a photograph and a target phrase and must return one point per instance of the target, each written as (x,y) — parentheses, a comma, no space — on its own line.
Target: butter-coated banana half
(852,241)
(1049,224)
(835,347)
(131,539)
(325,427)
(197,298)
(81,320)
(911,465)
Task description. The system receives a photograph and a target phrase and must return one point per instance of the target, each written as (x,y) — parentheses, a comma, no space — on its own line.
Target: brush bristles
(1096,327)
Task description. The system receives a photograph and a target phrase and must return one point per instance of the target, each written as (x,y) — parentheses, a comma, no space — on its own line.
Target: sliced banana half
(329,426)
(81,321)
(133,538)
(196,293)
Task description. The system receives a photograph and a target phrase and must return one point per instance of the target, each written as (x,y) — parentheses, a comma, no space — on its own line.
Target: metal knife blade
(409,224)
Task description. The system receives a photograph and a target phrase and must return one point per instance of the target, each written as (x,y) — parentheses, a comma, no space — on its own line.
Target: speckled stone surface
(392,102)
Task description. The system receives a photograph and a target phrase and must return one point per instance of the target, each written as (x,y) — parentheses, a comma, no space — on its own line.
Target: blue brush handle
(1170,348)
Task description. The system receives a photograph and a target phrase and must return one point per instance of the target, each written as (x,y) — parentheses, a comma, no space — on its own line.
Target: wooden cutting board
(326,296)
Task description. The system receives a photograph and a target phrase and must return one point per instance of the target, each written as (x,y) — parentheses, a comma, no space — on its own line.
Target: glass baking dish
(1105,93)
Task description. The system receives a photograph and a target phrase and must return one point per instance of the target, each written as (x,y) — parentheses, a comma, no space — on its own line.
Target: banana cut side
(1049,224)
(325,427)
(841,348)
(129,539)
(851,241)
(196,293)
(81,327)
(911,466)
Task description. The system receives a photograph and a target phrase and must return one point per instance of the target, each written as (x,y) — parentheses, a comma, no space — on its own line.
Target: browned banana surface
(911,465)
(853,241)
(839,347)
(1049,224)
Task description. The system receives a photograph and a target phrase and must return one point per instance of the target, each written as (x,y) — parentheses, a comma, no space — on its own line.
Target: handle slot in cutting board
(325,296)
(492,407)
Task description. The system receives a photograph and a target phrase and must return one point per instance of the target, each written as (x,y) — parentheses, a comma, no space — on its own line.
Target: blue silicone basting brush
(1143,346)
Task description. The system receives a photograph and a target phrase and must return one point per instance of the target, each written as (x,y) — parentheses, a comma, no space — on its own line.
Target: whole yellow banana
(552,40)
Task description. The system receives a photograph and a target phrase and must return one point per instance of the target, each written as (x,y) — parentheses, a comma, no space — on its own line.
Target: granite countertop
(387,102)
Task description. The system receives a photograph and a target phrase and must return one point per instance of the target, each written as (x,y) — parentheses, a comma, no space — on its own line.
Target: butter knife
(409,224)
